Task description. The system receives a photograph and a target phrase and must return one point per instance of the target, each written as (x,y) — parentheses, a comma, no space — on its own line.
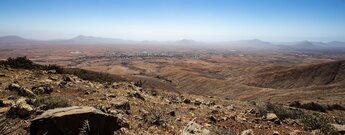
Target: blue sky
(204,20)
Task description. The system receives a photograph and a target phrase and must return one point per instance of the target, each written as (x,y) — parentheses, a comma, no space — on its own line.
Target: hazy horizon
(201,41)
(211,21)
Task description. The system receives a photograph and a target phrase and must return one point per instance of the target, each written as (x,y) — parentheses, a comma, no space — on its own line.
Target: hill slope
(302,76)
(27,93)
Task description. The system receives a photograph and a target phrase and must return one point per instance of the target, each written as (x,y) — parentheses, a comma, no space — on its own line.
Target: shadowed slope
(302,76)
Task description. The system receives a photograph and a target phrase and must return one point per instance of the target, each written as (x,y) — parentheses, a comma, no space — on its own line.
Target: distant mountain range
(94,40)
(254,43)
(14,39)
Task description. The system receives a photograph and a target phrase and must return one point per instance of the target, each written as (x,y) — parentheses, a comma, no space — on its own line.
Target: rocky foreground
(37,102)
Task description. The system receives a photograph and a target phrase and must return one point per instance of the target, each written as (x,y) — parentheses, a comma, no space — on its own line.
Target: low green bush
(281,111)
(51,102)
(318,121)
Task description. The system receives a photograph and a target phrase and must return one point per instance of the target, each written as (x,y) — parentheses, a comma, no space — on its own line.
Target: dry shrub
(51,102)
(92,75)
(318,121)
(156,116)
(309,106)
(20,62)
(25,63)
(281,111)
(317,107)
(225,131)
(336,107)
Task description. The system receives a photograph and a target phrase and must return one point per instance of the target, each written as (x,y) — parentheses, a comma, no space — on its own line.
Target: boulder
(6,103)
(198,101)
(137,95)
(68,79)
(75,120)
(4,109)
(339,128)
(121,103)
(276,133)
(247,132)
(194,128)
(172,113)
(2,75)
(230,107)
(210,103)
(186,101)
(271,117)
(20,90)
(213,119)
(62,84)
(42,89)
(14,87)
(53,71)
(295,132)
(26,92)
(21,109)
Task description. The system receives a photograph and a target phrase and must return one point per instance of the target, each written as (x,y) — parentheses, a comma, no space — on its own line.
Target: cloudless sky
(204,20)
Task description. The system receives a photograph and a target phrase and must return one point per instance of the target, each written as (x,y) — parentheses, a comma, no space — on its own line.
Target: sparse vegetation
(309,106)
(281,111)
(57,68)
(51,102)
(156,116)
(91,75)
(227,132)
(139,83)
(336,107)
(25,63)
(20,62)
(311,121)
(166,113)
(317,107)
(318,121)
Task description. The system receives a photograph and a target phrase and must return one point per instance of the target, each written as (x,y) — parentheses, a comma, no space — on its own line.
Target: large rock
(247,132)
(339,128)
(271,117)
(73,120)
(198,101)
(68,79)
(21,109)
(121,103)
(194,128)
(53,71)
(42,89)
(14,87)
(21,90)
(2,75)
(6,103)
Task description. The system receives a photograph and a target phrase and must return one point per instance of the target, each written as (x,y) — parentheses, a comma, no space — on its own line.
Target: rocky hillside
(302,76)
(41,101)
